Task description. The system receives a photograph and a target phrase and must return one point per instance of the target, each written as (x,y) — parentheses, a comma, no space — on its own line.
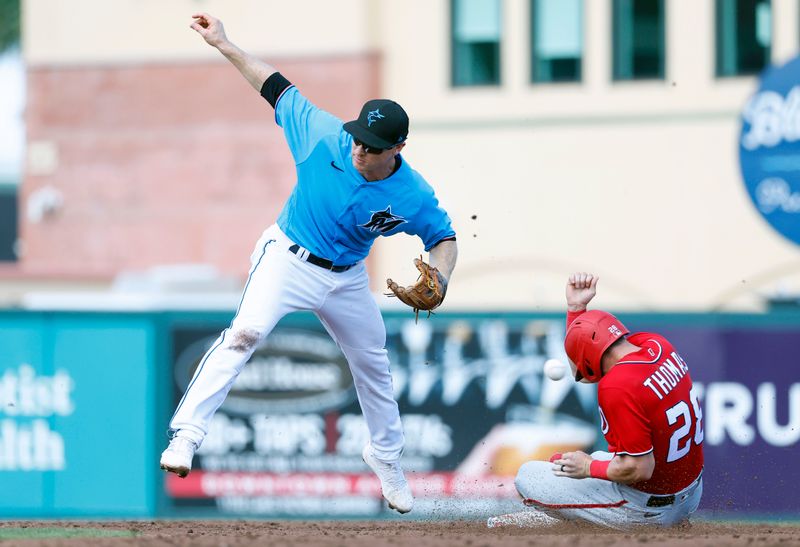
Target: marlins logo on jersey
(383,221)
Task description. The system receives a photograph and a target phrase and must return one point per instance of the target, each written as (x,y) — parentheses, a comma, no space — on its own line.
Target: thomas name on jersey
(663,380)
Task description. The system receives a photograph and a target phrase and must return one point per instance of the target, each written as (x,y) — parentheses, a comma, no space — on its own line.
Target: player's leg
(353,319)
(686,503)
(682,505)
(593,500)
(273,289)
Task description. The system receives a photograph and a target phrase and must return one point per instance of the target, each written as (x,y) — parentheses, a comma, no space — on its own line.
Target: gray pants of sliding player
(602,502)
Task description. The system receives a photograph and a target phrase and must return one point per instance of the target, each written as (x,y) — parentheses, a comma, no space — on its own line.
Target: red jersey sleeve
(573,315)
(625,424)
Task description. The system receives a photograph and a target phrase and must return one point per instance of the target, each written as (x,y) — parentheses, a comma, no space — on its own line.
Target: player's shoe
(393,483)
(177,458)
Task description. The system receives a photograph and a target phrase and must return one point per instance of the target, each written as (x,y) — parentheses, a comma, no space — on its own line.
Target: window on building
(12,135)
(8,222)
(556,40)
(476,42)
(638,28)
(744,36)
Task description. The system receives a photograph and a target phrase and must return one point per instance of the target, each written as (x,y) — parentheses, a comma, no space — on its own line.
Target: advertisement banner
(474,402)
(750,390)
(77,414)
(475,405)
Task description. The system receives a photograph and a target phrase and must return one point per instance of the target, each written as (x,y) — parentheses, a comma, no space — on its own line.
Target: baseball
(554,369)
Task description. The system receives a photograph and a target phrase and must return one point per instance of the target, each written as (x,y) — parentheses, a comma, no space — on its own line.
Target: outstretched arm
(581,288)
(254,70)
(443,257)
(622,468)
(431,286)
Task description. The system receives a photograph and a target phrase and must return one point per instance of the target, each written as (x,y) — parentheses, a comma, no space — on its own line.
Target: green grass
(40,533)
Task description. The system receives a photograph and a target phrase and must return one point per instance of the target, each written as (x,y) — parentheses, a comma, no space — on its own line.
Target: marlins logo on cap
(382,124)
(373,116)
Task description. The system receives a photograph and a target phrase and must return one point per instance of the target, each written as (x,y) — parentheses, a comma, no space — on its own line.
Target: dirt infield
(379,533)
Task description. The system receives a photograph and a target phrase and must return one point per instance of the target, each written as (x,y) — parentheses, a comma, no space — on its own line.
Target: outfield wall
(86,398)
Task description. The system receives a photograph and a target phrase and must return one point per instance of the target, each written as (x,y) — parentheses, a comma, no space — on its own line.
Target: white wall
(638,181)
(114,31)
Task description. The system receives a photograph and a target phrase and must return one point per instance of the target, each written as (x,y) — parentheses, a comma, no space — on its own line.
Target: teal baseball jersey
(333,211)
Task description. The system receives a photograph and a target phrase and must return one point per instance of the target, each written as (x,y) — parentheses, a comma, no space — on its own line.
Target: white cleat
(177,458)
(393,483)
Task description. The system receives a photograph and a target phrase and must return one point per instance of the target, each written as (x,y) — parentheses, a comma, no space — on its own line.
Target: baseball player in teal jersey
(352,186)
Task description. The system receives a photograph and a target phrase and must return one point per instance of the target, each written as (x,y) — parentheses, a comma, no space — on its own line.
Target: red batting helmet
(588,338)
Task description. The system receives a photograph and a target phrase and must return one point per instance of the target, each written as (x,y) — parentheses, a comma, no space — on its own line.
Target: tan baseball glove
(426,294)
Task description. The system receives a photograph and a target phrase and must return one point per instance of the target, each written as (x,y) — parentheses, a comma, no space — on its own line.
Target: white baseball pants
(280,283)
(600,501)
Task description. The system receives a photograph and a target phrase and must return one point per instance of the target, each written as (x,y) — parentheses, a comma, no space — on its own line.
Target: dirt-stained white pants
(280,283)
(600,501)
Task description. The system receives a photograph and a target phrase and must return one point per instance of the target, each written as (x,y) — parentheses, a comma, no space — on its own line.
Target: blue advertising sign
(474,401)
(77,415)
(769,148)
(751,414)
(475,406)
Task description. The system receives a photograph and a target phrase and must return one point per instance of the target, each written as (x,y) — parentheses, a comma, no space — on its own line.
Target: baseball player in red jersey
(649,415)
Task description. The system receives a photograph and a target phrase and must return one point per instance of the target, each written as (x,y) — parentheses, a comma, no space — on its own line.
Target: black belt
(661,501)
(319,261)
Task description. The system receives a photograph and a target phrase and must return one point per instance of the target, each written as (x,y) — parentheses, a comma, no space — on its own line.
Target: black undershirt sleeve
(451,238)
(273,87)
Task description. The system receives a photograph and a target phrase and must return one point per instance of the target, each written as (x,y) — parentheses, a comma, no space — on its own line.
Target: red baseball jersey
(647,404)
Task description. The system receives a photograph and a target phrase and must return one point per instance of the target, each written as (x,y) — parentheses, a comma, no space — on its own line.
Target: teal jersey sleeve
(431,223)
(303,123)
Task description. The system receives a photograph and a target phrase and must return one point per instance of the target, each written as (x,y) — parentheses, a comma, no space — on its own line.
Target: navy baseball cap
(382,124)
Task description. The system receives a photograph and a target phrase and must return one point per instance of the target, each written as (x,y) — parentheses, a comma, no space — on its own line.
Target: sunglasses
(366,148)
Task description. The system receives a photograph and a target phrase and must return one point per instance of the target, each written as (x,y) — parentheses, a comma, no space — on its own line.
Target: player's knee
(528,476)
(523,480)
(244,340)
